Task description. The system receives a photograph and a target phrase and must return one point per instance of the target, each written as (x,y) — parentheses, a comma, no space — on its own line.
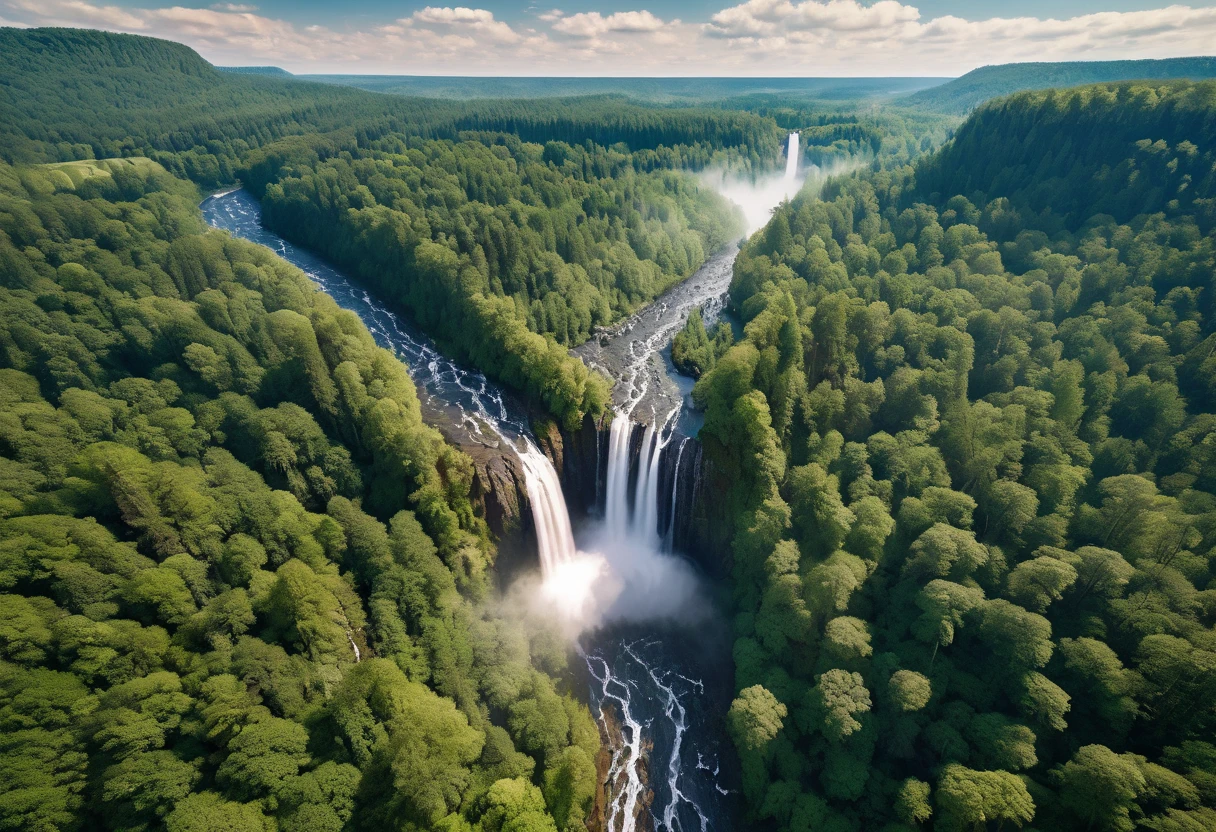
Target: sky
(779,38)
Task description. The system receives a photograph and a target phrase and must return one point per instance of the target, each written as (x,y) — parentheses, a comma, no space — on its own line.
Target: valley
(604,454)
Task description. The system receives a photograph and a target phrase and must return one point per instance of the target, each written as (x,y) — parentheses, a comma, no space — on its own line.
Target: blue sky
(647,37)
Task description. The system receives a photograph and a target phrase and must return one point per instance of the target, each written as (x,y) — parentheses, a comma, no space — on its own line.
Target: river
(661,688)
(637,351)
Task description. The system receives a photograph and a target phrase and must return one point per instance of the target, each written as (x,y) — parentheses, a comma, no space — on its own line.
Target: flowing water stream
(660,689)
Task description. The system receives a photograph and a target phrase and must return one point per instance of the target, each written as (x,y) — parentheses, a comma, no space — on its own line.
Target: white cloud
(479,21)
(73,13)
(593,24)
(757,18)
(755,37)
(892,36)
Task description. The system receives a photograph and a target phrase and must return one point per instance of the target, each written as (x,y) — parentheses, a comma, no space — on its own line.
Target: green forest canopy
(57,105)
(972,504)
(241,582)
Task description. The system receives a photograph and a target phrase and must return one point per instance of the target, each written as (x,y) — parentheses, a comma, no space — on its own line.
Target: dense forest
(61,84)
(967,437)
(243,587)
(964,441)
(491,247)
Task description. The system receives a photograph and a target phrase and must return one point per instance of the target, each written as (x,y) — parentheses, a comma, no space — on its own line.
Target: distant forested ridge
(62,85)
(255,70)
(967,439)
(489,248)
(657,90)
(968,92)
(242,585)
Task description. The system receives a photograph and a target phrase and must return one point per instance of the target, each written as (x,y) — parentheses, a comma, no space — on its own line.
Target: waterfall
(791,157)
(648,519)
(635,520)
(675,491)
(643,497)
(616,501)
(553,533)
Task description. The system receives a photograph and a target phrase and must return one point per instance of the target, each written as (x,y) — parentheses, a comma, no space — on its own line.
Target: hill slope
(1063,156)
(968,92)
(72,94)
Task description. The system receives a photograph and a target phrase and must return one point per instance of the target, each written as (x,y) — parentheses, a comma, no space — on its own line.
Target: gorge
(657,684)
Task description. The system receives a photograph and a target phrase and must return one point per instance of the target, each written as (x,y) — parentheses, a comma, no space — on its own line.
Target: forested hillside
(490,247)
(58,103)
(967,442)
(61,85)
(988,82)
(1140,149)
(242,585)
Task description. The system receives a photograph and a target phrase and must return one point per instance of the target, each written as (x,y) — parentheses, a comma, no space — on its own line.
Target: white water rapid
(653,580)
(791,158)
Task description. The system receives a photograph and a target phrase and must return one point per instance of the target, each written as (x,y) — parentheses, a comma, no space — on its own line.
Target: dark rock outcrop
(500,495)
(580,458)
(702,524)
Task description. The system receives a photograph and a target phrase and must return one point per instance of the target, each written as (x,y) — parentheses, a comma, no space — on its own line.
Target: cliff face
(580,458)
(700,528)
(500,494)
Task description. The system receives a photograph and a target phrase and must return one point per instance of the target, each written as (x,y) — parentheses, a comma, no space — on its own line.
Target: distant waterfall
(791,157)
